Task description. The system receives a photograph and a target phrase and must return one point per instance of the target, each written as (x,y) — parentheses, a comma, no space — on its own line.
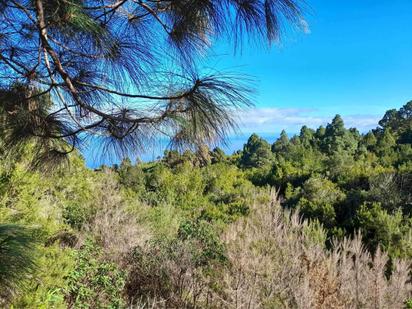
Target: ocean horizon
(94,158)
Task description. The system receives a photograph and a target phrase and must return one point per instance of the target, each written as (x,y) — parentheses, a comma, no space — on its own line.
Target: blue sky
(354,59)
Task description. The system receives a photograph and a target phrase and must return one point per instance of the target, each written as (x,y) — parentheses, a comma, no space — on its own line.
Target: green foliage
(218,156)
(50,206)
(48,284)
(204,241)
(318,199)
(173,268)
(369,140)
(282,143)
(130,176)
(378,226)
(331,174)
(17,258)
(256,152)
(183,208)
(94,282)
(217,192)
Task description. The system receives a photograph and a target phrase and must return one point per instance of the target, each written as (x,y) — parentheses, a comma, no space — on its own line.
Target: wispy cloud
(304,25)
(272,120)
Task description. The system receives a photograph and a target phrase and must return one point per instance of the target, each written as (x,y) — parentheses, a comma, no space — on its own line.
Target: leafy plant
(94,282)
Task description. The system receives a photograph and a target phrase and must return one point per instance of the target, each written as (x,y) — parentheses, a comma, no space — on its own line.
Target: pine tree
(256,152)
(369,140)
(306,136)
(125,71)
(386,142)
(281,143)
(218,155)
(338,139)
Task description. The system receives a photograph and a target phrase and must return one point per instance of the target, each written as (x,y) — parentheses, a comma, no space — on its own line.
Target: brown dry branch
(275,260)
(275,264)
(112,224)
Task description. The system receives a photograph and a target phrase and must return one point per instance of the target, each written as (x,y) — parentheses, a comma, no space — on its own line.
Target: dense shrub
(94,282)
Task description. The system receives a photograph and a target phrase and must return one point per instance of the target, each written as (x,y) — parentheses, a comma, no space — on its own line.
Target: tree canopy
(125,71)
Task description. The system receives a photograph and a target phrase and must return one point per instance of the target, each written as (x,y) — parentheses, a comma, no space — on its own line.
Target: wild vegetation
(317,220)
(346,180)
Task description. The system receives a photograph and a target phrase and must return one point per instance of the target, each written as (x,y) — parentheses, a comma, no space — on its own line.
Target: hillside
(320,220)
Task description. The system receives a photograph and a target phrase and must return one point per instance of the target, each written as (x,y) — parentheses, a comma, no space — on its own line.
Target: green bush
(94,282)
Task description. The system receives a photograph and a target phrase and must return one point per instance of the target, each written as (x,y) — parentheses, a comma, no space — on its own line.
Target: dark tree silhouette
(124,70)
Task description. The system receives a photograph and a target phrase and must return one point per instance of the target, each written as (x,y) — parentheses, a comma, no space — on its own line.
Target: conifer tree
(281,143)
(256,152)
(125,71)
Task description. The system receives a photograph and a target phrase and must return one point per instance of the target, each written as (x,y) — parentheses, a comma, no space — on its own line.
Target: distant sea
(94,157)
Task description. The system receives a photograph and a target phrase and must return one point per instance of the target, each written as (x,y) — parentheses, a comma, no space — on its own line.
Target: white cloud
(304,25)
(273,120)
